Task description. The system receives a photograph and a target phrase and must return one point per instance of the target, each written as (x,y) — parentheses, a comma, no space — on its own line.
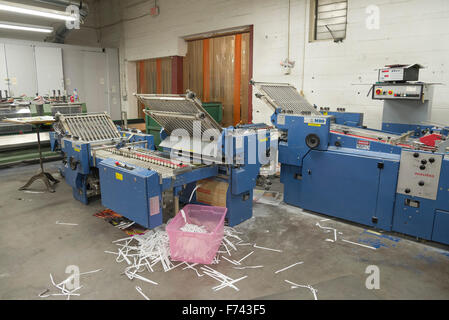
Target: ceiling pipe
(61,32)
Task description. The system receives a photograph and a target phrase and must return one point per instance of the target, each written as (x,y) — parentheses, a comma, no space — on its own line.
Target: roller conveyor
(174,112)
(285,97)
(90,127)
(145,159)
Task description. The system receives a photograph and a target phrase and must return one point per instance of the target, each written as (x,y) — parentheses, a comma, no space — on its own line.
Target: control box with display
(399,73)
(400,91)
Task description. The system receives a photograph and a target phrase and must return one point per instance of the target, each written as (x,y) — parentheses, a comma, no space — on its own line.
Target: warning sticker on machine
(119,176)
(363,145)
(281,119)
(154,205)
(76,147)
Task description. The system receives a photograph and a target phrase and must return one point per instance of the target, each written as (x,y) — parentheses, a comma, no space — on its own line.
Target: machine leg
(44,176)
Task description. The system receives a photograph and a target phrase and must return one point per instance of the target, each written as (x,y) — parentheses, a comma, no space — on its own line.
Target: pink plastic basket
(196,247)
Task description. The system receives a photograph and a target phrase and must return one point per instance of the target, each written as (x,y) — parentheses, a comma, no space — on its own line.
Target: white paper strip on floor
(66,224)
(240,261)
(328,228)
(286,268)
(359,244)
(295,285)
(139,289)
(264,248)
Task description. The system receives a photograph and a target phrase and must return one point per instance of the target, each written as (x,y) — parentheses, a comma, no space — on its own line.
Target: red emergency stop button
(378,91)
(390,92)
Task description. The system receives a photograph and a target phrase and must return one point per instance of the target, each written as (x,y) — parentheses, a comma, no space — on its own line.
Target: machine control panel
(419,174)
(415,91)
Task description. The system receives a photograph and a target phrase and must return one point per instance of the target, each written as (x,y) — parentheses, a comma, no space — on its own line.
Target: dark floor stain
(425,258)
(376,243)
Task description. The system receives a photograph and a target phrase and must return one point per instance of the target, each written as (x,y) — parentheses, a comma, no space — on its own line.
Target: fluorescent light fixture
(24,27)
(35,11)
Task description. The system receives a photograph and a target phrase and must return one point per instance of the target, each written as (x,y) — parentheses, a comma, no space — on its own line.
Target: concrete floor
(32,246)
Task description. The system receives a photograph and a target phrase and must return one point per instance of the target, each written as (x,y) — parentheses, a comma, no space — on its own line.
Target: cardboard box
(212,192)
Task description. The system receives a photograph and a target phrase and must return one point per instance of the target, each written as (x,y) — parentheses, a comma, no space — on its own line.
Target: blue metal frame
(350,119)
(420,130)
(339,179)
(136,193)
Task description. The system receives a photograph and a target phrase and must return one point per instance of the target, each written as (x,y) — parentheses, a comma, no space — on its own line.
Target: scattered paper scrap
(144,252)
(66,224)
(62,286)
(188,227)
(139,289)
(291,266)
(295,286)
(328,228)
(225,280)
(248,267)
(264,248)
(362,245)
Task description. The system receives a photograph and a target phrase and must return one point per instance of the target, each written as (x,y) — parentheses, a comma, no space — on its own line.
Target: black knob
(416,155)
(421,183)
(424,161)
(432,160)
(407,190)
(312,141)
(423,167)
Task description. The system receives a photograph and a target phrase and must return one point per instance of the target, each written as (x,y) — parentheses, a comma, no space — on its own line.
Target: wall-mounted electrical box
(399,73)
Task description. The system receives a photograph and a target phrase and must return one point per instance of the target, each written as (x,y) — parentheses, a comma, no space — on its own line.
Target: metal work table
(37,122)
(22,140)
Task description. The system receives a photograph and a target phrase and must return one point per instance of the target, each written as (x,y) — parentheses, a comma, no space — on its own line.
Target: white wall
(334,75)
(94,72)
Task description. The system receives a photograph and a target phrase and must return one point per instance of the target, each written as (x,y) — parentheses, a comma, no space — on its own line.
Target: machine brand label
(317,121)
(119,176)
(363,145)
(424,175)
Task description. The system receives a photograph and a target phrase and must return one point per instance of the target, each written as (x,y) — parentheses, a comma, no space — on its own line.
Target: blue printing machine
(418,129)
(132,177)
(379,180)
(341,116)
